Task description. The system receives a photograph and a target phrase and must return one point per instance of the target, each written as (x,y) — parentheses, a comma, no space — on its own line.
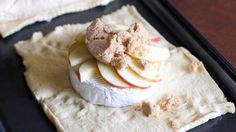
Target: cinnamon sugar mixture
(108,45)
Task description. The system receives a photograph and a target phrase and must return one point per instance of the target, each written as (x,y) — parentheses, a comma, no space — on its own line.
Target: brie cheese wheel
(98,92)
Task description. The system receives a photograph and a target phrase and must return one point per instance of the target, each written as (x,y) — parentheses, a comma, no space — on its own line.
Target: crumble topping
(108,44)
(139,39)
(138,107)
(102,42)
(174,123)
(147,65)
(169,103)
(194,66)
(119,61)
(150,109)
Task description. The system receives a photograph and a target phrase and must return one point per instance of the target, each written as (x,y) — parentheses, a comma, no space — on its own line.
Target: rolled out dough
(16,14)
(45,59)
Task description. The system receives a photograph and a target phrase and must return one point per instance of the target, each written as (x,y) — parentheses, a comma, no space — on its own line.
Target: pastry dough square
(16,14)
(45,60)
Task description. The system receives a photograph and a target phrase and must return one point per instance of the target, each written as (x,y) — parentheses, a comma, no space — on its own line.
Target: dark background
(216,20)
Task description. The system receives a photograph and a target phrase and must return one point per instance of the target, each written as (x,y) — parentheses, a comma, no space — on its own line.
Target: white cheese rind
(97,92)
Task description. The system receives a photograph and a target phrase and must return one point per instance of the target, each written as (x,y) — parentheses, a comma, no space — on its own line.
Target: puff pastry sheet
(45,60)
(16,14)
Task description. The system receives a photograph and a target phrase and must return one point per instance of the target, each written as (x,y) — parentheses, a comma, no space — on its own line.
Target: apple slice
(87,70)
(78,53)
(149,75)
(110,76)
(132,78)
(155,54)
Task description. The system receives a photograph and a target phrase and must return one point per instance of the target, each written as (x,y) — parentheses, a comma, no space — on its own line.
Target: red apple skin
(109,82)
(147,79)
(78,75)
(155,39)
(131,84)
(114,85)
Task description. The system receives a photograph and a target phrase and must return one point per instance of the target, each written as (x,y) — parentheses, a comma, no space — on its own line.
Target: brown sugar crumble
(146,65)
(194,66)
(138,107)
(109,45)
(149,109)
(174,123)
(169,103)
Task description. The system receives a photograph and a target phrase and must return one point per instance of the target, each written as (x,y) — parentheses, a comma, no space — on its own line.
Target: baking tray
(19,111)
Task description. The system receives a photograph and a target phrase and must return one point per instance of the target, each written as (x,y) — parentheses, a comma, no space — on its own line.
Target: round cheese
(96,91)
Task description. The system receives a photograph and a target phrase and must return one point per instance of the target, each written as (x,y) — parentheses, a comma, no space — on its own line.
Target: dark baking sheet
(19,111)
